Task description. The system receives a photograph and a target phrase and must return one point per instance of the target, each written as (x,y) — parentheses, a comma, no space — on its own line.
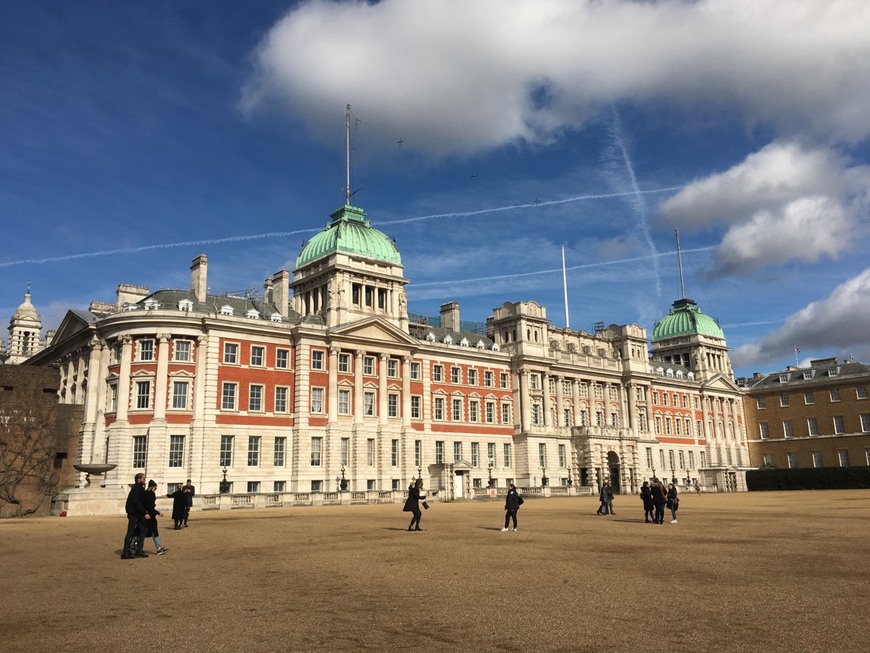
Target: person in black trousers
(412,504)
(512,503)
(137,520)
(180,503)
(151,507)
(188,487)
(660,498)
(648,505)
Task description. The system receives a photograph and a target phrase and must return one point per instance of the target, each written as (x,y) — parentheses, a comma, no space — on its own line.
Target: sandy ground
(763,572)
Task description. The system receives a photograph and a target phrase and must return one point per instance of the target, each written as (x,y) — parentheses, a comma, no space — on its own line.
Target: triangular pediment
(372,329)
(721,382)
(75,328)
(73,323)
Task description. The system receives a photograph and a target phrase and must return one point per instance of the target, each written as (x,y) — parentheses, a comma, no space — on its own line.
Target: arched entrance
(613,471)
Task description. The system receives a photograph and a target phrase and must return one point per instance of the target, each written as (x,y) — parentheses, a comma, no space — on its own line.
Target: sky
(487,137)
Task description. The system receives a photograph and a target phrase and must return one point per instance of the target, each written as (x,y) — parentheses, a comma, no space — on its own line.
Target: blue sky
(487,135)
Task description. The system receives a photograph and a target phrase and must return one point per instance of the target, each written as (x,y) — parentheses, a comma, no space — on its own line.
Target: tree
(29,439)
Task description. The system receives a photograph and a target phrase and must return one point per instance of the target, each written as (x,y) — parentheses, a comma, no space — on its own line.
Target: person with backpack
(512,504)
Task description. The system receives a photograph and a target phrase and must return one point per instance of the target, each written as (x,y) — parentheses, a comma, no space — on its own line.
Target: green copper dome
(351,233)
(685,318)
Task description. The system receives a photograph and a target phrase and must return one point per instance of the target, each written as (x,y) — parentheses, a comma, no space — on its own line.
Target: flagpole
(796,351)
(565,289)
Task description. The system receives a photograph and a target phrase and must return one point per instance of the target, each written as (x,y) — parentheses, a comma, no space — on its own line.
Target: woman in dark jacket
(179,506)
(150,502)
(673,502)
(512,503)
(660,498)
(412,504)
(648,505)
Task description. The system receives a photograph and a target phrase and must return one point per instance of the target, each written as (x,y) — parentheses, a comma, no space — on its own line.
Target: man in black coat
(137,520)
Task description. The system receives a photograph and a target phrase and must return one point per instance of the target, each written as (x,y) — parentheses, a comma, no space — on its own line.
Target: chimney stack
(450,316)
(198,277)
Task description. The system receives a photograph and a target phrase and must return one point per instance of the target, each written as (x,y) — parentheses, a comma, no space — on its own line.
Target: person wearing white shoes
(512,504)
(673,502)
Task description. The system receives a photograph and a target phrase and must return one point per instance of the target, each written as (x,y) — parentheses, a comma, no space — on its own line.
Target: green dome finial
(685,318)
(351,233)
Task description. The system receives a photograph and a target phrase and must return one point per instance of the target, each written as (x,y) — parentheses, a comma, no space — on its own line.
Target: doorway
(613,468)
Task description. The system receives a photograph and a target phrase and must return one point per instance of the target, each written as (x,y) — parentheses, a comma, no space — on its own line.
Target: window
(475,454)
(691,460)
(176,450)
(536,413)
(456,411)
(143,394)
(345,452)
(231,353)
(253,487)
(112,398)
(182,351)
(809,399)
(535,381)
(763,431)
(279,486)
(784,400)
(843,457)
(392,405)
(415,371)
(835,394)
(504,380)
(817,459)
(316,360)
(369,404)
(542,454)
(281,399)
(180,392)
(505,413)
(344,363)
(418,453)
(682,459)
(563,457)
(439,452)
(861,392)
(472,377)
(316,450)
(490,452)
(394,453)
(490,412)
(316,400)
(455,375)
(146,350)
(507,456)
(368,365)
(473,411)
(812,426)
(317,486)
(439,409)
(228,396)
(791,459)
(865,422)
(666,399)
(760,403)
(258,356)
(787,430)
(370,452)
(140,451)
(255,398)
(280,451)
(226,459)
(839,427)
(438,373)
(253,451)
(767,459)
(457,451)
(488,379)
(344,402)
(282,359)
(392,368)
(415,407)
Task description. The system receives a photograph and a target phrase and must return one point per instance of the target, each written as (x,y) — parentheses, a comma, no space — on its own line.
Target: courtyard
(762,572)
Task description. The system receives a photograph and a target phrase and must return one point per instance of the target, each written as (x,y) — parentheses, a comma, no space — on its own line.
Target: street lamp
(420,473)
(544,478)
(343,482)
(224,486)
(489,468)
(570,480)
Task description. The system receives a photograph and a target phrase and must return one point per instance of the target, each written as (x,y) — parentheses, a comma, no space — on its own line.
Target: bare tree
(28,442)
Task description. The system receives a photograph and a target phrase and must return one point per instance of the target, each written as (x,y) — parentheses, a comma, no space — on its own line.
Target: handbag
(425,505)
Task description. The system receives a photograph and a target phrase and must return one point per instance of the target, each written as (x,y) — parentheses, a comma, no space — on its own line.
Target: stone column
(560,404)
(332,390)
(124,379)
(382,387)
(162,381)
(548,400)
(575,392)
(524,400)
(358,407)
(406,392)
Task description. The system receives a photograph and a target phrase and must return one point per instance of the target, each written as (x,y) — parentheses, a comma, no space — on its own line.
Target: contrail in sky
(639,205)
(297,232)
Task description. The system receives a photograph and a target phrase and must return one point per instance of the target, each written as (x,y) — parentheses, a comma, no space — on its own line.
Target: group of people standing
(142,513)
(656,498)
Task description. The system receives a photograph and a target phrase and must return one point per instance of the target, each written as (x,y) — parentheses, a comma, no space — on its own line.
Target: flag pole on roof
(565,289)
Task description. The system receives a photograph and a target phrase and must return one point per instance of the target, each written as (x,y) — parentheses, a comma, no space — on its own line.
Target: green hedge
(822,478)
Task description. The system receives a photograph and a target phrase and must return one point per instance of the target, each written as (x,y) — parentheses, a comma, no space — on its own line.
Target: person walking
(660,498)
(188,487)
(179,505)
(512,504)
(137,520)
(673,501)
(606,498)
(151,507)
(412,504)
(648,505)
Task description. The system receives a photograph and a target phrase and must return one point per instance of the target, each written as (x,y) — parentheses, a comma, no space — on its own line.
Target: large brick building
(326,380)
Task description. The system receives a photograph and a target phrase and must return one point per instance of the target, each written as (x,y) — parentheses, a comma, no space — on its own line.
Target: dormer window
(226,309)
(448,340)
(480,344)
(808,374)
(430,337)
(463,342)
(495,346)
(783,378)
(185,305)
(276,317)
(252,314)
(834,371)
(151,304)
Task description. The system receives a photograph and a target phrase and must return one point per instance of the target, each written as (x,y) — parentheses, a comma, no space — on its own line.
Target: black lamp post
(489,468)
(544,478)
(673,475)
(570,480)
(224,484)
(343,482)
(420,473)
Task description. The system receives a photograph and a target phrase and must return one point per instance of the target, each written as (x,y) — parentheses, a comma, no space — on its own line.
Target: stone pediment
(73,323)
(372,329)
(721,382)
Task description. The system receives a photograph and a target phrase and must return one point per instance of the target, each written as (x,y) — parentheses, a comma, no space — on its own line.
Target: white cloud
(838,322)
(459,76)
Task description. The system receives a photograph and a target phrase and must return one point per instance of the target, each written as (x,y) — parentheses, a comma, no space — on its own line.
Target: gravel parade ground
(765,572)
